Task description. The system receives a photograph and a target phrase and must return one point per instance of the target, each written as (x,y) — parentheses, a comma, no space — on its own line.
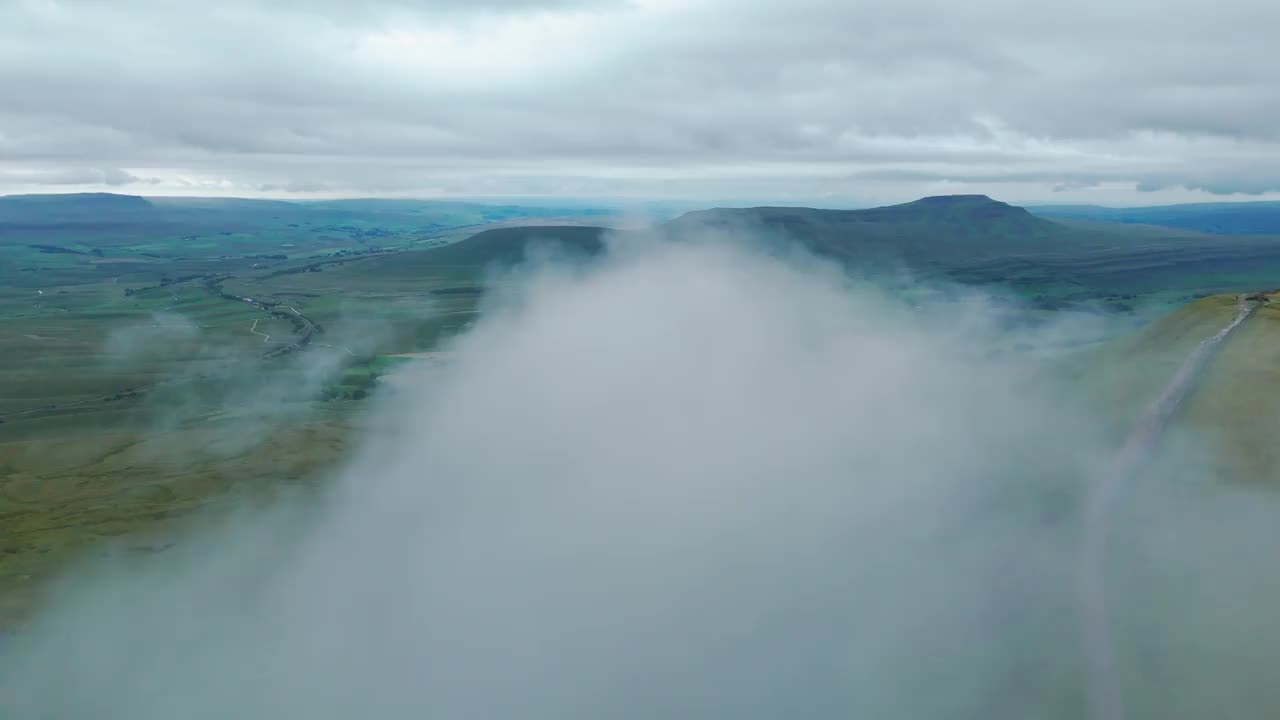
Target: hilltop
(940,227)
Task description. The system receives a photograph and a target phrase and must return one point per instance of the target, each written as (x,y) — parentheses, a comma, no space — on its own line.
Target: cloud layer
(691,482)
(815,99)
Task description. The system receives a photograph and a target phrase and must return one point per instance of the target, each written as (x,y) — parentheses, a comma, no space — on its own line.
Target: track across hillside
(1105,695)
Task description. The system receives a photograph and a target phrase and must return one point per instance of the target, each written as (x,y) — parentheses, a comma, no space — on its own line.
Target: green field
(136,386)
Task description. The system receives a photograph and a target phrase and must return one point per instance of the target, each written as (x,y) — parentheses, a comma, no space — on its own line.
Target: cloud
(110,177)
(165,335)
(1242,184)
(690,481)
(353,97)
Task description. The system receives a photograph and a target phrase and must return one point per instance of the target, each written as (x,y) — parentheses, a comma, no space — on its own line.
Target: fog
(687,481)
(161,336)
(200,376)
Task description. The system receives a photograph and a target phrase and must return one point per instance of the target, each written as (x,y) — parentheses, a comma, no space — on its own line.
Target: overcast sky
(823,101)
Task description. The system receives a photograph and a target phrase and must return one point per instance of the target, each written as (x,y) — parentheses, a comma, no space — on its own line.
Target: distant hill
(465,260)
(948,228)
(217,226)
(966,238)
(73,208)
(510,245)
(1239,218)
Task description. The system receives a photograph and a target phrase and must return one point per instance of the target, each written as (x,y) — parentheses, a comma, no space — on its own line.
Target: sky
(803,101)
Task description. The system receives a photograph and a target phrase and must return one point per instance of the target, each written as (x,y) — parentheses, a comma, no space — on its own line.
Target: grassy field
(1231,410)
(61,497)
(1234,409)
(205,352)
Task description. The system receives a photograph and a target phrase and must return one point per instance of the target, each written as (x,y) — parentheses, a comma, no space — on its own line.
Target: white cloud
(404,97)
(692,483)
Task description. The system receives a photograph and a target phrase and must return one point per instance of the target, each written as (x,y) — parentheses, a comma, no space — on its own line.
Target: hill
(932,230)
(1232,412)
(510,245)
(73,208)
(466,260)
(974,239)
(965,238)
(1241,218)
(1236,411)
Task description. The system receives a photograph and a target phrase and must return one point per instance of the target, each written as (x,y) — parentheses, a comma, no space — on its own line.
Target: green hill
(1236,408)
(1233,411)
(965,238)
(466,260)
(931,230)
(509,245)
(974,239)
(948,229)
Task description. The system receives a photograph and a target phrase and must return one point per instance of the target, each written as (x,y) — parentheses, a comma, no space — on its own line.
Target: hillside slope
(467,260)
(509,245)
(1231,418)
(1236,409)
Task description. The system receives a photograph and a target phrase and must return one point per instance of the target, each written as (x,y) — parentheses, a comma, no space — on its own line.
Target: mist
(163,335)
(691,481)
(200,377)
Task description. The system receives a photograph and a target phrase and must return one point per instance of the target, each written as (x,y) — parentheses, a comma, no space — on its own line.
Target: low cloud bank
(690,481)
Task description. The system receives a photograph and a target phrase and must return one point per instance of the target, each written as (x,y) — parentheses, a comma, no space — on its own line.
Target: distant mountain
(73,208)
(930,229)
(946,232)
(940,229)
(1239,218)
(510,245)
(104,221)
(965,238)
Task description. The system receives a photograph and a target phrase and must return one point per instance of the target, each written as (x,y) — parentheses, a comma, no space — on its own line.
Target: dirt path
(254,329)
(1105,696)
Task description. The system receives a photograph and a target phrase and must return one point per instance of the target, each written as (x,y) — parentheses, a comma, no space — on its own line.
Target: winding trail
(1106,701)
(254,329)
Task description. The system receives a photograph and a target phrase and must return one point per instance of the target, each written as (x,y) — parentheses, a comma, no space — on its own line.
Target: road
(1105,696)
(307,332)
